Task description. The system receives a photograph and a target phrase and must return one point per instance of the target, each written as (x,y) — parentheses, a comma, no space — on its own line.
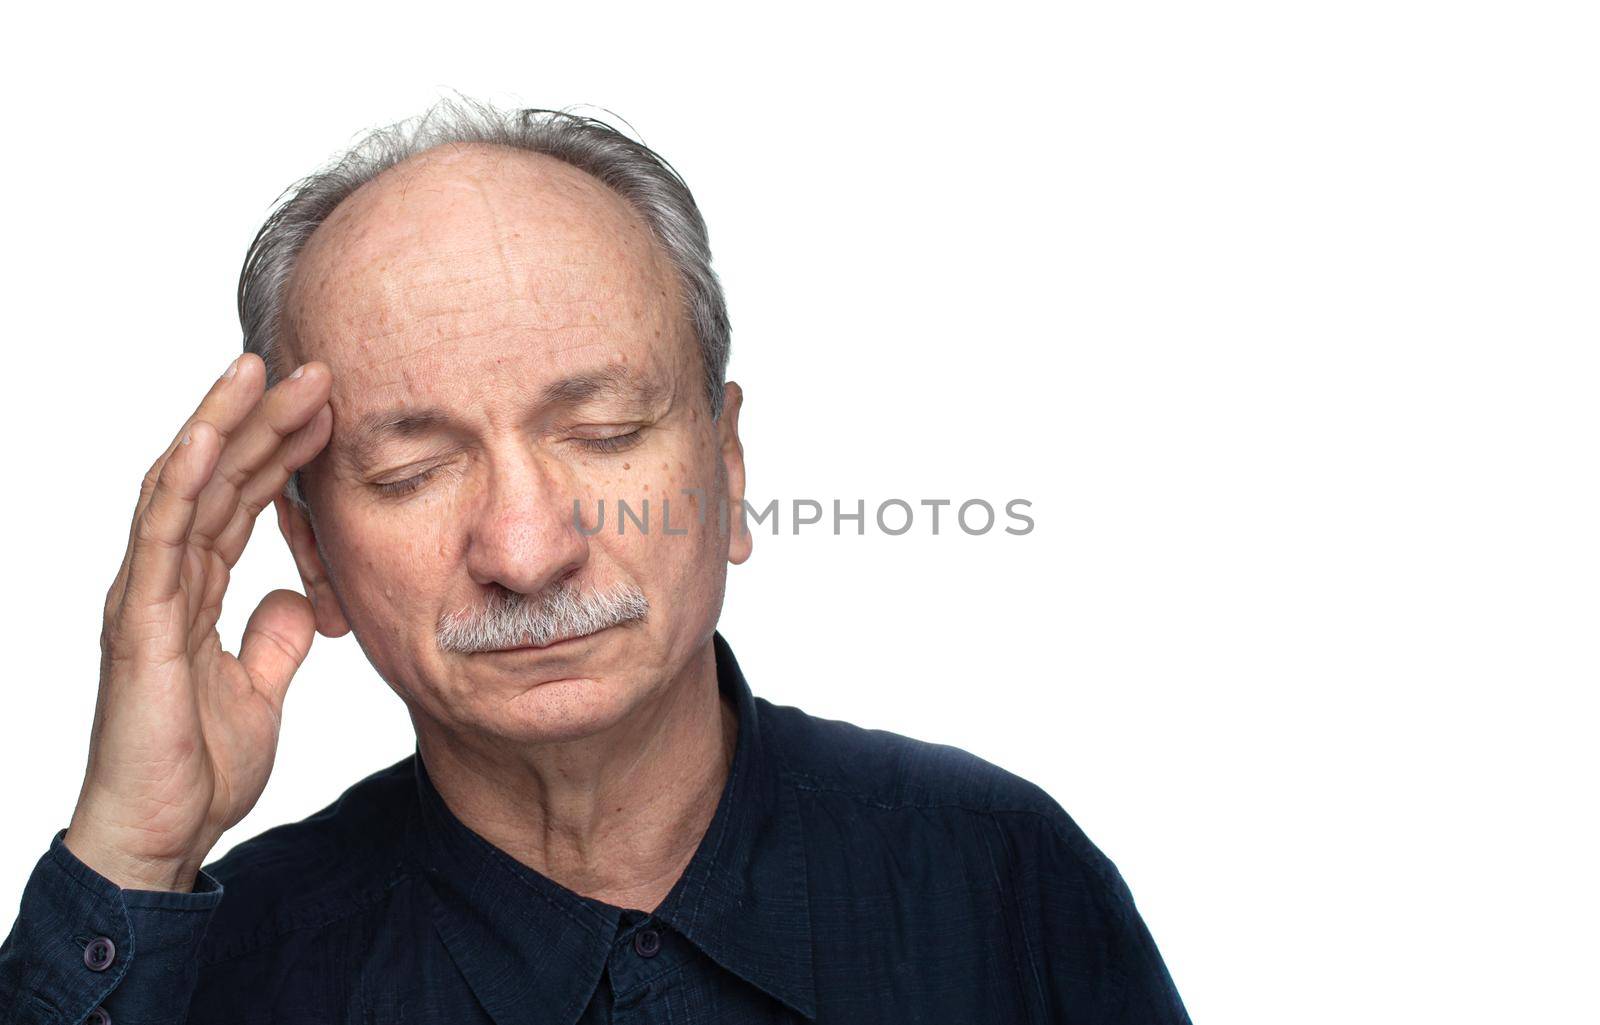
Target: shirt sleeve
(1091,954)
(1147,993)
(84,949)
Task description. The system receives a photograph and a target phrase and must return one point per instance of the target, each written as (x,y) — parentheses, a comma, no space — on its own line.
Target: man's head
(521,322)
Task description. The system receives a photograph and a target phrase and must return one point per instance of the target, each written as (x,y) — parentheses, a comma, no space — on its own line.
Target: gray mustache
(558,613)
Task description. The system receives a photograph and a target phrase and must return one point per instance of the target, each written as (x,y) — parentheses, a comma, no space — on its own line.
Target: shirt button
(647,943)
(98,1016)
(99,954)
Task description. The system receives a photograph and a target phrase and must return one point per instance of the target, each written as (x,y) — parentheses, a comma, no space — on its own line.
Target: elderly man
(462,340)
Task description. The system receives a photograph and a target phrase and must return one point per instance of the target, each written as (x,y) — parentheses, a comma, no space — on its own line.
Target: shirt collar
(534,951)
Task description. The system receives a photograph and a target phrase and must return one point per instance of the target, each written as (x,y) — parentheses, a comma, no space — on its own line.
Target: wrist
(131,871)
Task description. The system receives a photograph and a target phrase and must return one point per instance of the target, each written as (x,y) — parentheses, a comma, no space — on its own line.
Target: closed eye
(614,443)
(401,487)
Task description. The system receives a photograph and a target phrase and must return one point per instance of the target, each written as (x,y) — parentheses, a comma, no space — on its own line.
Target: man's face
(528,311)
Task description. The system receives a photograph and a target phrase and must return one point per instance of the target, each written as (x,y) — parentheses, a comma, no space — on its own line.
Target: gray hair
(630,168)
(561,611)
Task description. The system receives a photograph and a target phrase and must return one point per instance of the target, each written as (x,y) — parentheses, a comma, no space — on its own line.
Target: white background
(1282,315)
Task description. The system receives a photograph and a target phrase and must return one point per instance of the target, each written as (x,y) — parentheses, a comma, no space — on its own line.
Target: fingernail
(298,370)
(185,439)
(233,368)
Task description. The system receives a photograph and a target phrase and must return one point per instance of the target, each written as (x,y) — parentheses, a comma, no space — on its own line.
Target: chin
(560,710)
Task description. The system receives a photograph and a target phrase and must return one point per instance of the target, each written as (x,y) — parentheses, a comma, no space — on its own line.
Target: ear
(302,540)
(739,538)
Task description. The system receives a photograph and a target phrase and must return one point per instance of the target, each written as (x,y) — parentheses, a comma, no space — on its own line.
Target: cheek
(387,574)
(680,483)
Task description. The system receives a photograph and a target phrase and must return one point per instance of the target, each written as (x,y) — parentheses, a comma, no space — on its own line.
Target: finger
(276,641)
(300,448)
(289,406)
(161,533)
(225,406)
(229,400)
(205,604)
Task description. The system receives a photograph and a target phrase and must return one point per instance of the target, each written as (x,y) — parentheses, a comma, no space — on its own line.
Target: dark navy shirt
(848,875)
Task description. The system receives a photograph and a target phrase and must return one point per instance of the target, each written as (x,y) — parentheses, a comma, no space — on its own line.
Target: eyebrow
(578,387)
(371,430)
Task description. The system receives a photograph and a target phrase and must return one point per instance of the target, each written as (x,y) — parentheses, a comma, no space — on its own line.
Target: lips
(542,647)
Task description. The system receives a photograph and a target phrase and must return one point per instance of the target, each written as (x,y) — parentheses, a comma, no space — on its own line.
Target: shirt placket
(646,960)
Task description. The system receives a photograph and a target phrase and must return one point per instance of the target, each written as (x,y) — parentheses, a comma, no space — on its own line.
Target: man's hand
(184,733)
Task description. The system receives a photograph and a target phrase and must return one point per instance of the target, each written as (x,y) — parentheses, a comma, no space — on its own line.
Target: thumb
(276,640)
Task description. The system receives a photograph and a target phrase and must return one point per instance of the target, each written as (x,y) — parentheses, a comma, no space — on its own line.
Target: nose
(522,532)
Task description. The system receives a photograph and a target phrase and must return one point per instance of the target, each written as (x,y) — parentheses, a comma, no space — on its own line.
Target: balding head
(461,129)
(479,242)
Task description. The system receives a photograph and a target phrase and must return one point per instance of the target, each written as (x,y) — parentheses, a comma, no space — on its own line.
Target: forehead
(476,265)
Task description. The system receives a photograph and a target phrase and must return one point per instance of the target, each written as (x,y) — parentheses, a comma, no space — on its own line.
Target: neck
(615,816)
